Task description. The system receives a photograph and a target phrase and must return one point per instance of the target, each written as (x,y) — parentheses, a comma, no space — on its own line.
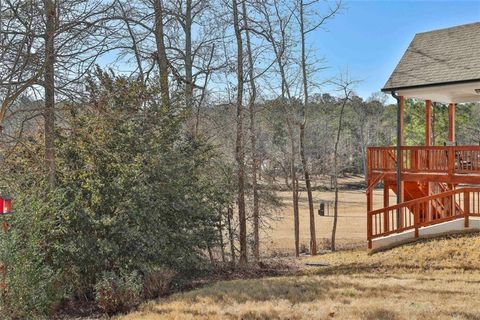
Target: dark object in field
(317,265)
(321,211)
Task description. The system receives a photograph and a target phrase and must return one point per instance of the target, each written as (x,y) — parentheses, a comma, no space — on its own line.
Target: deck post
(369,230)
(451,135)
(451,122)
(428,123)
(428,140)
(369,200)
(400,187)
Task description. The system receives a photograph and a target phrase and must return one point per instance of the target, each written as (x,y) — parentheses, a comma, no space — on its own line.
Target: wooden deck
(438,184)
(449,164)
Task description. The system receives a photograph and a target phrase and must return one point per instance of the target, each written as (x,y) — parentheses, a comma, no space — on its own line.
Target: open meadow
(352,221)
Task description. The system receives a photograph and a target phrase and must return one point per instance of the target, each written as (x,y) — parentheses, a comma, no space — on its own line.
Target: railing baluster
(466,208)
(416,218)
(445,206)
(451,159)
(386,222)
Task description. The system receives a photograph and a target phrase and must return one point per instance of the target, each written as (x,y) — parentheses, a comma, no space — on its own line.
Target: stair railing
(454,204)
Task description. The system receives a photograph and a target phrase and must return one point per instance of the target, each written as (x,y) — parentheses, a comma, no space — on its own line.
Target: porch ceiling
(446,93)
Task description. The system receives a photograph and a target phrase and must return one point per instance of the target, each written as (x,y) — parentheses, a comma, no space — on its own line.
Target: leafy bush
(32,283)
(130,192)
(157,283)
(118,293)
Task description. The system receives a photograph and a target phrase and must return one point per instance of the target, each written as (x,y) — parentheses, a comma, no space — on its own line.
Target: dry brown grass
(352,223)
(435,279)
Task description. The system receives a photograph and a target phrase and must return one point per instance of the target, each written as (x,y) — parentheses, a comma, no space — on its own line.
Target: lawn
(352,221)
(434,279)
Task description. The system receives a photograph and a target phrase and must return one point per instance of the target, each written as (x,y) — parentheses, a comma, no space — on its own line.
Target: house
(437,187)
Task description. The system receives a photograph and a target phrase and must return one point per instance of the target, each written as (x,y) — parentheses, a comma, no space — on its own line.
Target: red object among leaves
(7,205)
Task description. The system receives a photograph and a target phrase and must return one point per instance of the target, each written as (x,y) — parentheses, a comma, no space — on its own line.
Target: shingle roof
(439,56)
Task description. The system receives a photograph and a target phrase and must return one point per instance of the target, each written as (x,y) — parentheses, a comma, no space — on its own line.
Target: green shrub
(130,192)
(118,293)
(33,288)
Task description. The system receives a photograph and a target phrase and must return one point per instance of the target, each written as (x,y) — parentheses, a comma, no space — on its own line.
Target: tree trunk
(49,86)
(161,53)
(313,238)
(335,175)
(253,142)
(188,55)
(364,161)
(335,215)
(280,58)
(210,255)
(231,236)
(220,234)
(188,68)
(239,150)
(135,47)
(296,220)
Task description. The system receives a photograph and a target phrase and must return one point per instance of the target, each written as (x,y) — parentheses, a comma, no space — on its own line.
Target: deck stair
(414,190)
(418,215)
(431,177)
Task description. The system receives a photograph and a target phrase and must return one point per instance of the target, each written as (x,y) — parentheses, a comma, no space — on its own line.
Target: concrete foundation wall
(443,228)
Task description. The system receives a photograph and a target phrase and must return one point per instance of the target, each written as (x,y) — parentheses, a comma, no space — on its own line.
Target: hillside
(435,279)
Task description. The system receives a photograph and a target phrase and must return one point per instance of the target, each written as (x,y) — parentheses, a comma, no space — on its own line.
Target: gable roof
(439,57)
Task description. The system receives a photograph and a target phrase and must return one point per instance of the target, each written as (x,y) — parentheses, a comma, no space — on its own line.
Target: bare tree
(161,52)
(57,44)
(231,235)
(345,87)
(277,33)
(240,148)
(304,31)
(252,111)
(192,53)
(49,85)
(21,64)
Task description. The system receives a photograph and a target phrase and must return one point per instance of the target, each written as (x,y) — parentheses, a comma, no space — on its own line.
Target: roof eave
(391,89)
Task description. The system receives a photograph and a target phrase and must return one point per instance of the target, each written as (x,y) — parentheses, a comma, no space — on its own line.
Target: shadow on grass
(378,268)
(305,289)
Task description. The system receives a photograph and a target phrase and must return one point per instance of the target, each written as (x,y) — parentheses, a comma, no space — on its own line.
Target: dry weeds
(435,279)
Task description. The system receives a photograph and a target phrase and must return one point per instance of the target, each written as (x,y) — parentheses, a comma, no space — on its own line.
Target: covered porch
(433,183)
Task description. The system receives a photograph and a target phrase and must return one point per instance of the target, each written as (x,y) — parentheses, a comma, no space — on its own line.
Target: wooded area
(143,141)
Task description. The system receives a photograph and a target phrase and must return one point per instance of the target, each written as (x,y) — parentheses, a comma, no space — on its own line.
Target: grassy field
(352,227)
(435,279)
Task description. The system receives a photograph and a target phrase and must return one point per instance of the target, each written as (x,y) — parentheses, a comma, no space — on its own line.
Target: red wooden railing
(422,212)
(429,159)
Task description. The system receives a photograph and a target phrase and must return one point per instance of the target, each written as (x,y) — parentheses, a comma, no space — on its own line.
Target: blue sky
(369,37)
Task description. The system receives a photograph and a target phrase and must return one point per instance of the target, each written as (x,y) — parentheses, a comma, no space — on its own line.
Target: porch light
(477,91)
